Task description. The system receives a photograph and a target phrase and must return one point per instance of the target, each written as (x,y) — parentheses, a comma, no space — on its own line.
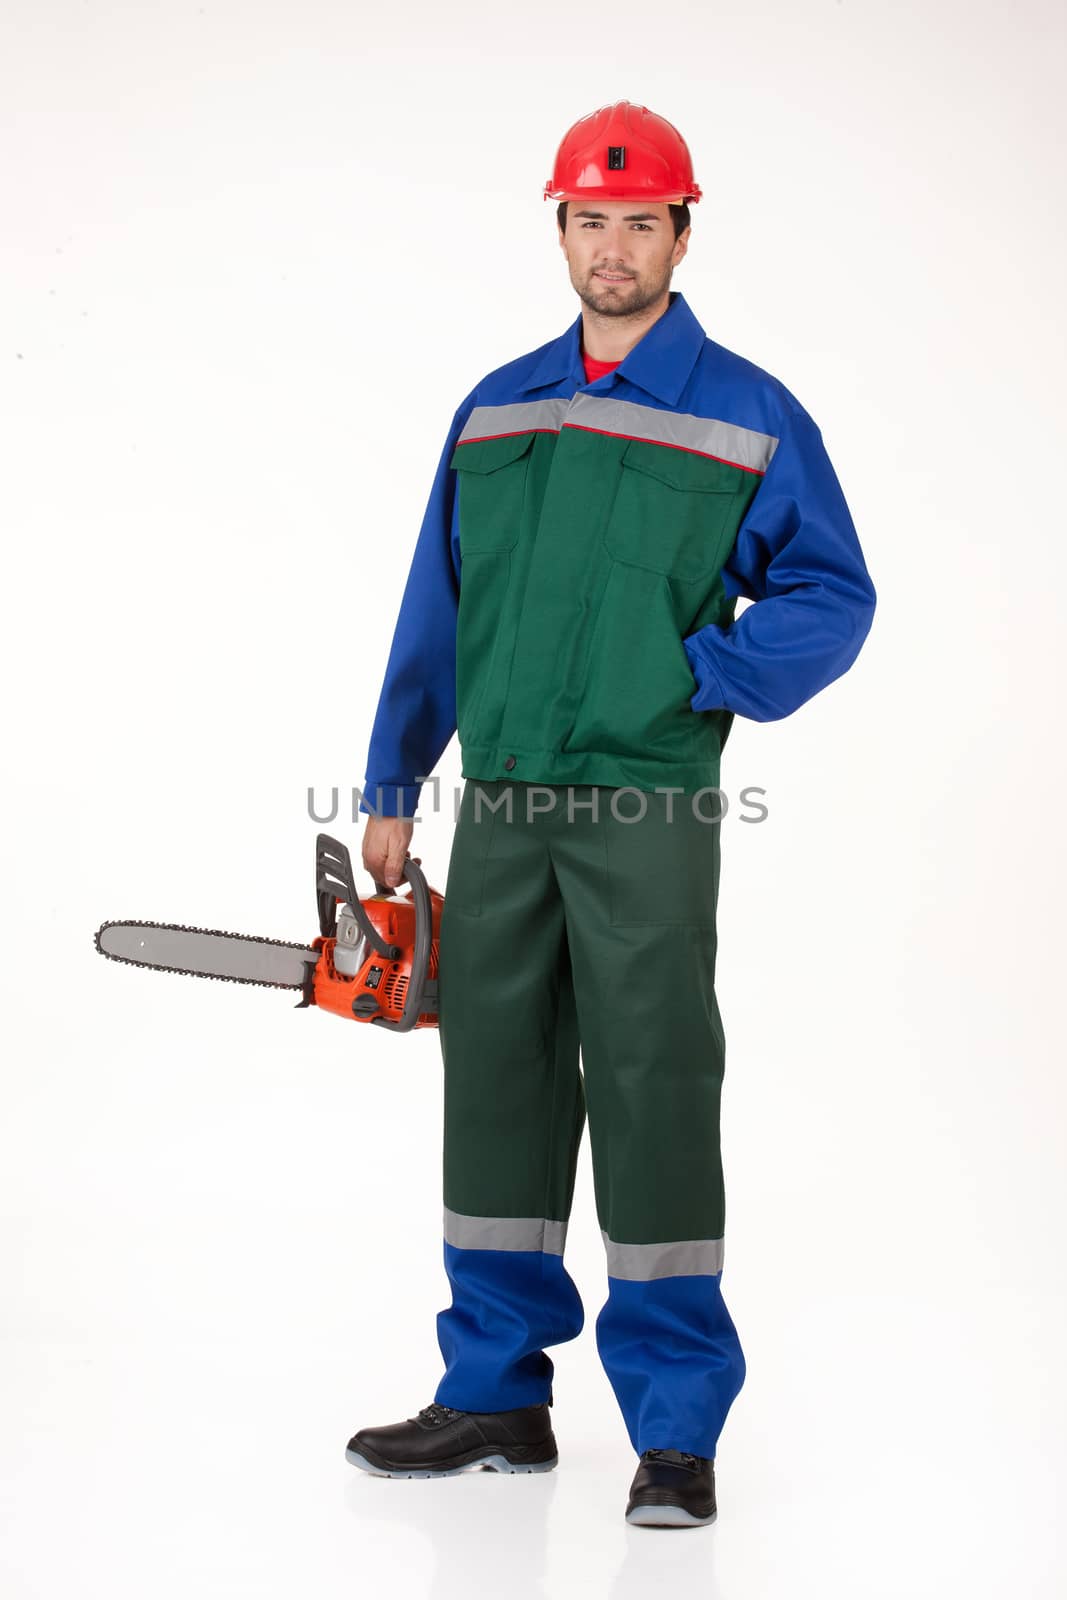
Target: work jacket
(570,606)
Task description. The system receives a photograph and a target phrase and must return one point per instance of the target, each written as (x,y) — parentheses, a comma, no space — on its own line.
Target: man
(599,506)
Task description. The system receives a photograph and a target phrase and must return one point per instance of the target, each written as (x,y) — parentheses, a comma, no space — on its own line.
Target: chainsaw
(374,959)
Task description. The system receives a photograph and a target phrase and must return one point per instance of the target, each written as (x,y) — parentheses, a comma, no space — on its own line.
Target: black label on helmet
(616,157)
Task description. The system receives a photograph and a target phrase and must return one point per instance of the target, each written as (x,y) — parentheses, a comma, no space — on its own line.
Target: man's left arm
(797,555)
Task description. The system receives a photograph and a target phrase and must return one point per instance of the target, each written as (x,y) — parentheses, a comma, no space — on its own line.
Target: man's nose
(614,249)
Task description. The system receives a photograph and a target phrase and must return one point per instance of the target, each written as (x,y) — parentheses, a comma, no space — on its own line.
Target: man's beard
(628,301)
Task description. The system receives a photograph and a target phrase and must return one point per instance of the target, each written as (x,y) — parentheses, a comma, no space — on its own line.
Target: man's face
(620,253)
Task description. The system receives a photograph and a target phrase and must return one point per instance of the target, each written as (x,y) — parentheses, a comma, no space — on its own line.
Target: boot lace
(676,1457)
(435,1415)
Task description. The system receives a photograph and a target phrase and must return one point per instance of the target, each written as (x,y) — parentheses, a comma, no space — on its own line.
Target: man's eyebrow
(636,216)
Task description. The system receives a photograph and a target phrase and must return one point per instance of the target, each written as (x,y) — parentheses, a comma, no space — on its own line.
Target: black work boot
(672,1489)
(441,1442)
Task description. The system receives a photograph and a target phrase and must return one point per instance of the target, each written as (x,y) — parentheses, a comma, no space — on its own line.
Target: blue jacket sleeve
(798,557)
(416,715)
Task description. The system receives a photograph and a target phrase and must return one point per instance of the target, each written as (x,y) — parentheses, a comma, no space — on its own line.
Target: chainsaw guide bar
(269,949)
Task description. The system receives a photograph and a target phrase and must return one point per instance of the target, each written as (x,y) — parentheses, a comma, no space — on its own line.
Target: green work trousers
(577,983)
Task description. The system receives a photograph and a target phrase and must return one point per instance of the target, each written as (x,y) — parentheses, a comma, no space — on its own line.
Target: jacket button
(509,763)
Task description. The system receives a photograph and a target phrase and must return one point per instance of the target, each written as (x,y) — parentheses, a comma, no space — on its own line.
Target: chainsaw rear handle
(335,880)
(417,1000)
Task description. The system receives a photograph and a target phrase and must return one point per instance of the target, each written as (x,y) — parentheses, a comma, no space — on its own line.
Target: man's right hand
(385,848)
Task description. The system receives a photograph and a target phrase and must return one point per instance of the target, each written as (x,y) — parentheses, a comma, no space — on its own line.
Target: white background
(253,257)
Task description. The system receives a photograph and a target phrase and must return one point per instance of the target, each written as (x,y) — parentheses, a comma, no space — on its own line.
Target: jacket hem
(488,762)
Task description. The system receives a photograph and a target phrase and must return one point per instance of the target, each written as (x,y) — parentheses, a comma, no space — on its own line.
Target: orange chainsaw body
(378,979)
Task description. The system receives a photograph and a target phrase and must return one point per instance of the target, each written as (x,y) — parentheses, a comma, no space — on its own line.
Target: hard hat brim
(600,193)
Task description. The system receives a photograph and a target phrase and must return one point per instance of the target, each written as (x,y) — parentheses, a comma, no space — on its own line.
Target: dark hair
(679,216)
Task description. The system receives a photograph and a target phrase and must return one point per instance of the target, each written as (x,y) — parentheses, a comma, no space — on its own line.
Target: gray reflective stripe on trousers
(525,416)
(725,441)
(504,1233)
(645,1261)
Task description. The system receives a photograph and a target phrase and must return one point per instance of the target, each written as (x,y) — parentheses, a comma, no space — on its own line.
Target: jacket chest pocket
(491,476)
(672,512)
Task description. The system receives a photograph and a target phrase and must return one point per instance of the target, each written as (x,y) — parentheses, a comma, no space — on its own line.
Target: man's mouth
(613,277)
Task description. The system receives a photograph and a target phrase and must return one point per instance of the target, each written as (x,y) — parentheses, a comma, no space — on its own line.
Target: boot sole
(667,1517)
(495,1463)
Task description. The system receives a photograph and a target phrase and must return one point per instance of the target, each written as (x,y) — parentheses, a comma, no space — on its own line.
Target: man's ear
(681,245)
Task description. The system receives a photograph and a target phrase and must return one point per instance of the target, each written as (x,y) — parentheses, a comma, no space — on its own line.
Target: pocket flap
(486,455)
(681,469)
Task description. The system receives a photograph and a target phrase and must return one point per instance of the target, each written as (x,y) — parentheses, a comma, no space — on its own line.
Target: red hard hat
(623,152)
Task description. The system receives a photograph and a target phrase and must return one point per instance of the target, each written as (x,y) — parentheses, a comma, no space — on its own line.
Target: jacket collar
(660,362)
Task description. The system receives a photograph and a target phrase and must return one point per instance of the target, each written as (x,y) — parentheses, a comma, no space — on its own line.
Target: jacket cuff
(390,799)
(709,695)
